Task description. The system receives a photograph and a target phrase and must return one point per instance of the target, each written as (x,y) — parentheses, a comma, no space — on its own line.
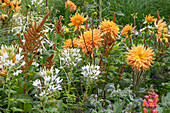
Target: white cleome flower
(71,57)
(92,71)
(17,72)
(51,81)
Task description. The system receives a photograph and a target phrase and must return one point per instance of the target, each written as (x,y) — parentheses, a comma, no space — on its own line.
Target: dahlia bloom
(70,4)
(140,57)
(69,44)
(161,30)
(77,20)
(109,27)
(15,5)
(86,40)
(150,18)
(127,29)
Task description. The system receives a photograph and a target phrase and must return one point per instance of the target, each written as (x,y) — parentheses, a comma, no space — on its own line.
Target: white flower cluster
(71,57)
(37,3)
(8,58)
(91,71)
(50,82)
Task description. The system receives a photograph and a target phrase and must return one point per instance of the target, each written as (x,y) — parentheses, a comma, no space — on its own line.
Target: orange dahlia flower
(109,27)
(127,30)
(15,5)
(161,26)
(77,20)
(70,4)
(150,18)
(87,38)
(139,57)
(2,73)
(68,43)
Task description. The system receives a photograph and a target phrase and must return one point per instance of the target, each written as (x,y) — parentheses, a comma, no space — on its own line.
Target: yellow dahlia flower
(77,20)
(70,4)
(68,43)
(140,57)
(109,27)
(150,18)
(88,39)
(127,29)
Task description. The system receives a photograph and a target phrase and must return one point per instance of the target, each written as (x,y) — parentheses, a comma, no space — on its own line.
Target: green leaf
(91,6)
(14,109)
(118,107)
(27,107)
(120,13)
(160,110)
(26,97)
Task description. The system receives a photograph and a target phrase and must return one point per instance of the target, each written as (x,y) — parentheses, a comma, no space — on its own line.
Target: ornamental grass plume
(58,28)
(127,30)
(150,18)
(109,27)
(70,44)
(77,20)
(151,102)
(85,41)
(140,57)
(71,5)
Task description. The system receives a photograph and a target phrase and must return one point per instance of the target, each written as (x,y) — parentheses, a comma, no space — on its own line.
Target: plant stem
(92,39)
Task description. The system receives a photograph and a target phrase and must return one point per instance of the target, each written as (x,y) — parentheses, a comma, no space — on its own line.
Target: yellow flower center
(78,21)
(139,56)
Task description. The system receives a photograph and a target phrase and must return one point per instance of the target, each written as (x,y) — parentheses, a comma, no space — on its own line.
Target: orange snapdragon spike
(145,103)
(152,102)
(145,110)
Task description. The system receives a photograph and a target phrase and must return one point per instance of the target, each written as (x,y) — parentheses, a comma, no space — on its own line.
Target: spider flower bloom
(109,27)
(127,30)
(68,43)
(77,20)
(139,57)
(88,39)
(150,18)
(70,4)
